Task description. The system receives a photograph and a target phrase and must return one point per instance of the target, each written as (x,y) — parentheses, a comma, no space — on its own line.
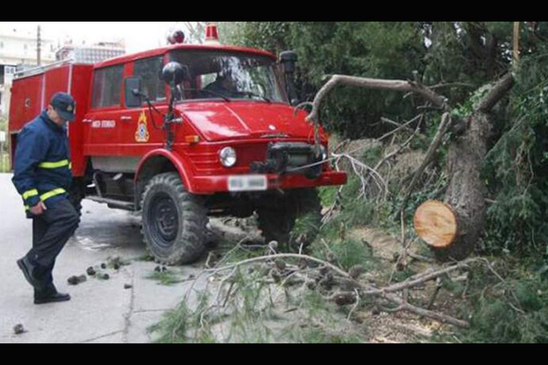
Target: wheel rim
(164,220)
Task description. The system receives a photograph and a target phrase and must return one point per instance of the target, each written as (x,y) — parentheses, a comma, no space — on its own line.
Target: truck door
(137,126)
(101,133)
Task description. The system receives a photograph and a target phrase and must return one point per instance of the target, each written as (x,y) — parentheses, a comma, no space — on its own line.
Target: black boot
(49,295)
(28,270)
(51,298)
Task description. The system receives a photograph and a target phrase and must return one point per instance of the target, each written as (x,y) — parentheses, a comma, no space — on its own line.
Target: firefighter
(42,175)
(224,85)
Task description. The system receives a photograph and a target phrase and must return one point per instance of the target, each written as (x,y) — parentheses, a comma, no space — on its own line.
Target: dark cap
(64,105)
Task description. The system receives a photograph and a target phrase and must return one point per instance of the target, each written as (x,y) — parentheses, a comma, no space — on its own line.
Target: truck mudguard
(176,160)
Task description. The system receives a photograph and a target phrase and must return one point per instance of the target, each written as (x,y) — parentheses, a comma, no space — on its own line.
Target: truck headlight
(227,156)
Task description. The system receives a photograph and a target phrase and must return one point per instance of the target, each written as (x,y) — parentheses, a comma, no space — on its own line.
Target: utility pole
(38,48)
(515,48)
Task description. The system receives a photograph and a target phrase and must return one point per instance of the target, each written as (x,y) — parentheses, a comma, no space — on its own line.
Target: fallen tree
(465,194)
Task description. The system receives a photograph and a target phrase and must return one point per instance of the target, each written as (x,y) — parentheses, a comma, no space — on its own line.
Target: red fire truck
(184,132)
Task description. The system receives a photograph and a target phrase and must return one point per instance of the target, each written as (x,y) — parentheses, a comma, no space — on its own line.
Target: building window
(106,86)
(149,70)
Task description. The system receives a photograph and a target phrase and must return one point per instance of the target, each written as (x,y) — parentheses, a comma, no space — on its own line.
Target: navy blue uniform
(42,163)
(42,172)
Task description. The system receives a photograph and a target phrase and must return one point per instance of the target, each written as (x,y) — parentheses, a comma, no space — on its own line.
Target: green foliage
(510,311)
(244,315)
(167,277)
(179,325)
(354,212)
(516,167)
(249,309)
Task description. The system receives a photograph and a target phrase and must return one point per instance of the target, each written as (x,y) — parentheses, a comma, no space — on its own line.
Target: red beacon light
(176,37)
(212,35)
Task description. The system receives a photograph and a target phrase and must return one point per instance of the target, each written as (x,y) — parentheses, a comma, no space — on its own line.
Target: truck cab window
(107,83)
(230,75)
(149,69)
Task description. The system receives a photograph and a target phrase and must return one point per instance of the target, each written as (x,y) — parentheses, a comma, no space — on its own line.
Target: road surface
(117,310)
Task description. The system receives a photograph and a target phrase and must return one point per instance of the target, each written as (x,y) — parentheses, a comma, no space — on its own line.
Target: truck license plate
(247,183)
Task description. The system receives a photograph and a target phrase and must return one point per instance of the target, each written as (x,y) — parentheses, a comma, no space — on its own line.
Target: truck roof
(163,50)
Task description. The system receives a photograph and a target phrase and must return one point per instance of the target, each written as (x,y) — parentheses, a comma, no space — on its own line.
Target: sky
(138,36)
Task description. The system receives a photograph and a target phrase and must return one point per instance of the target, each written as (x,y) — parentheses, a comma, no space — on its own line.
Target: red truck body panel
(30,96)
(120,132)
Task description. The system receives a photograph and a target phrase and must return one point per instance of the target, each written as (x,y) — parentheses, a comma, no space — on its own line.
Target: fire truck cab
(184,132)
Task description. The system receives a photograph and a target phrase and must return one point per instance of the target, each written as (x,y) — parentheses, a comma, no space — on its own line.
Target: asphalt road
(100,310)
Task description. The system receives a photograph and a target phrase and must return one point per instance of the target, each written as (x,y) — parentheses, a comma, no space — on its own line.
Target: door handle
(125,118)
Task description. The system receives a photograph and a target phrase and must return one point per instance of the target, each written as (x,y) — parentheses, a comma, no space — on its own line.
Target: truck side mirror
(288,60)
(133,92)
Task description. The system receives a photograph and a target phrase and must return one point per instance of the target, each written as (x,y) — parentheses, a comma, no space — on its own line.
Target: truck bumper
(215,184)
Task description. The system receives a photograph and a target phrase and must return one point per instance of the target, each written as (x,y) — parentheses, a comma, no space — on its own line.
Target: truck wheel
(294,222)
(174,221)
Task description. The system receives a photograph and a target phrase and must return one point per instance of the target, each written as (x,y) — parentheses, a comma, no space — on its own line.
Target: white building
(19,49)
(91,54)
(20,46)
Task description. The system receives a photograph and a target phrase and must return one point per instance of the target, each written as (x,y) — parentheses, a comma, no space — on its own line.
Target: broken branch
(393,85)
(498,91)
(420,280)
(442,129)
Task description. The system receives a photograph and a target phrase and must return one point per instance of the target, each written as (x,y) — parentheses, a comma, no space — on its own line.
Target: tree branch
(442,129)
(393,85)
(497,92)
(419,280)
(427,313)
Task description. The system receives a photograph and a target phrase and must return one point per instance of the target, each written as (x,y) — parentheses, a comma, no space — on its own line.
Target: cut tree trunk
(436,223)
(466,191)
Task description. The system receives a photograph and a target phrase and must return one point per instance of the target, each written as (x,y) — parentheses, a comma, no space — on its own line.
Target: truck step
(112,203)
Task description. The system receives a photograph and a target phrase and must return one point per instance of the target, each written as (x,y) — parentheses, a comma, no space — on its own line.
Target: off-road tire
(174,221)
(293,221)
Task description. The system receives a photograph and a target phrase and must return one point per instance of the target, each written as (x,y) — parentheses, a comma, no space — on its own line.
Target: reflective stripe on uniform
(44,196)
(54,165)
(52,193)
(29,193)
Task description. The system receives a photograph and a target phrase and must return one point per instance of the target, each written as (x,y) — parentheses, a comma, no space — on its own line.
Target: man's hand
(38,208)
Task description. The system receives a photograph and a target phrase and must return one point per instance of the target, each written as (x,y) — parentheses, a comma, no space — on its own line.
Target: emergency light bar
(212,35)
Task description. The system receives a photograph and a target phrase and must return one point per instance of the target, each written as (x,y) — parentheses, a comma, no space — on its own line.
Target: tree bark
(466,190)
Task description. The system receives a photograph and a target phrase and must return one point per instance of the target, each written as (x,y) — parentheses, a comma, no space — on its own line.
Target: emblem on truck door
(141,135)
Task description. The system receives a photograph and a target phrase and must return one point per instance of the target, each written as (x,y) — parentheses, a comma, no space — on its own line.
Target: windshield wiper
(214,93)
(248,93)
(251,93)
(208,92)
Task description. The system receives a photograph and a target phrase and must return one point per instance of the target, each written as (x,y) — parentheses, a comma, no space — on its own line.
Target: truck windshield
(228,75)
